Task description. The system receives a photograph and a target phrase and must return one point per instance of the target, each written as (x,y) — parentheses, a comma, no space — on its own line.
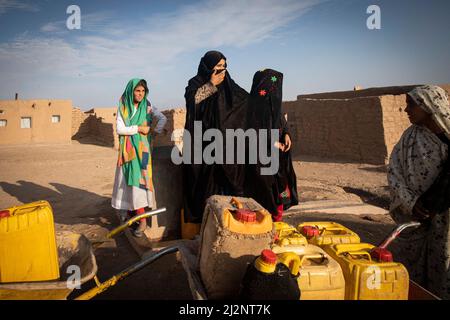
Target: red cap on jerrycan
(268,256)
(4,214)
(310,231)
(244,215)
(381,254)
(266,262)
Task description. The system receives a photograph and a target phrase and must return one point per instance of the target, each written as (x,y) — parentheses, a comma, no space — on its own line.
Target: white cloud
(7,5)
(118,48)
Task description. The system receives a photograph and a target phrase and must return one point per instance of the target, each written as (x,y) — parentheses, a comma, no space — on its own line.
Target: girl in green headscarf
(133,186)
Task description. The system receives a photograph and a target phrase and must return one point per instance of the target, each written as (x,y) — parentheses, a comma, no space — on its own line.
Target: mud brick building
(357,126)
(35,121)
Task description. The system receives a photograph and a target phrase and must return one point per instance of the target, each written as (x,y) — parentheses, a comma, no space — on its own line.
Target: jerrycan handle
(330,228)
(325,229)
(356,249)
(311,257)
(284,232)
(360,253)
(29,207)
(290,260)
(236,203)
(292,240)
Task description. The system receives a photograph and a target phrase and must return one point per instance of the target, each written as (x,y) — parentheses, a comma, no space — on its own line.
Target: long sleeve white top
(124,130)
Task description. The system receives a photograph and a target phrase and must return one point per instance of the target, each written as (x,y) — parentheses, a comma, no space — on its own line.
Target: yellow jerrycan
(28,250)
(370,272)
(287,234)
(321,277)
(327,233)
(234,231)
(271,277)
(367,278)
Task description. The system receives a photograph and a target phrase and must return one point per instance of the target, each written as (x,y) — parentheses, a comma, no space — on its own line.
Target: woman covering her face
(133,186)
(418,177)
(274,192)
(217,102)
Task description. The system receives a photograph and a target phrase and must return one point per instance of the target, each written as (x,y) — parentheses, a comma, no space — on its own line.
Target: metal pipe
(122,275)
(129,222)
(394,234)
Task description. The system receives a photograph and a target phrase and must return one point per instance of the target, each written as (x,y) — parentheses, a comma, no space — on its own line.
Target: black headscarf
(226,109)
(264,112)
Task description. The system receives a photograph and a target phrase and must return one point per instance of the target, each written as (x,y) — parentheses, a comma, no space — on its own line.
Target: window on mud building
(56,119)
(25,122)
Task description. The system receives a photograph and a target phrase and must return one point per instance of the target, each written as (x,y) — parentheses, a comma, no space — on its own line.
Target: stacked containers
(232,236)
(321,277)
(28,249)
(369,273)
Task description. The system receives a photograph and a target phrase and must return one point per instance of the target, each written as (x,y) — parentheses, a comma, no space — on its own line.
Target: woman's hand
(217,79)
(143,130)
(279,145)
(287,143)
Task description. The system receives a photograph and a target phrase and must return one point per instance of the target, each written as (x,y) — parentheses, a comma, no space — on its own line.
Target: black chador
(279,191)
(225,109)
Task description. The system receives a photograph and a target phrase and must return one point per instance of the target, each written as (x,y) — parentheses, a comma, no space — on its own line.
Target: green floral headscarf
(134,150)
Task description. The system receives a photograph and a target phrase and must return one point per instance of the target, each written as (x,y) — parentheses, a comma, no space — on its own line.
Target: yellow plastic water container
(189,230)
(234,232)
(28,250)
(321,277)
(367,278)
(267,278)
(327,233)
(286,234)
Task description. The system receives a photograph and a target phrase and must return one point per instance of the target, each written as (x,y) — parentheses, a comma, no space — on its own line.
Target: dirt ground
(77,180)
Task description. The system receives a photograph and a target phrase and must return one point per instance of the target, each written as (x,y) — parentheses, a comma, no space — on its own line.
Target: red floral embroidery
(262,93)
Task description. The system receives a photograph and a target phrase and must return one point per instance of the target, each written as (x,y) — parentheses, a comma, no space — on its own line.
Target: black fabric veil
(264,112)
(226,109)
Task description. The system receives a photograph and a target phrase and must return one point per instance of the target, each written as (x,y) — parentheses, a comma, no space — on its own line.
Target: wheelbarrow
(76,250)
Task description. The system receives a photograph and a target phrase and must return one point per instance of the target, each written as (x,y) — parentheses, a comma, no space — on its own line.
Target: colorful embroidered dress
(133,186)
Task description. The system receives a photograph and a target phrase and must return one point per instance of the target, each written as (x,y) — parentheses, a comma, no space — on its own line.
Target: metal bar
(394,234)
(129,222)
(122,275)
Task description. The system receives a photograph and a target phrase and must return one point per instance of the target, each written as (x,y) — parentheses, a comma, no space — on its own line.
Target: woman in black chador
(213,98)
(274,192)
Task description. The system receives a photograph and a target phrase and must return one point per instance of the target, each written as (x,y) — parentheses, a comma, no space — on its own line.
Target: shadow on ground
(379,200)
(70,205)
(381,169)
(164,279)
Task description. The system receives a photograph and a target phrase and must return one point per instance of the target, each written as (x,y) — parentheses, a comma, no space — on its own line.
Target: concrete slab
(336,207)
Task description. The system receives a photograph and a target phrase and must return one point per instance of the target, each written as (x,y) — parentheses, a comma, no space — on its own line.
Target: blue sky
(319,45)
